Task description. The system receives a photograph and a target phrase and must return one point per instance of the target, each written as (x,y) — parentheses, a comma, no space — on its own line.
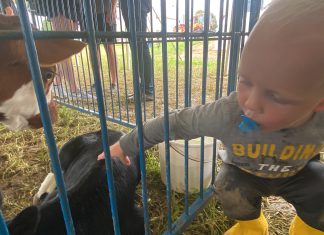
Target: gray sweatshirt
(270,155)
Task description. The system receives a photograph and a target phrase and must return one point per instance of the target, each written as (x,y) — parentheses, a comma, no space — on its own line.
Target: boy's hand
(116,151)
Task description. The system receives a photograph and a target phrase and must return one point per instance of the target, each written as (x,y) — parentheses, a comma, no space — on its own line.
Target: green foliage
(212,21)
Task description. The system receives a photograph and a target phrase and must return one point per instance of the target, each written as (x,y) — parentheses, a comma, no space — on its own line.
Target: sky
(171,10)
(198,5)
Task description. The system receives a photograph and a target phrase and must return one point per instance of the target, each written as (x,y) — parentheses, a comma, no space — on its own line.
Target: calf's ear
(26,222)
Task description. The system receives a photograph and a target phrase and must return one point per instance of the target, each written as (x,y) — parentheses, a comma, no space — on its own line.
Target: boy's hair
(295,12)
(296,21)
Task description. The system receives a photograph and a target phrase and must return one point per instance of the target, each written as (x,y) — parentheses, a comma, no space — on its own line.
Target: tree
(213,22)
(199,18)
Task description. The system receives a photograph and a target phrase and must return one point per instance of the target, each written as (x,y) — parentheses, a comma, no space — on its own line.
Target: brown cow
(18,104)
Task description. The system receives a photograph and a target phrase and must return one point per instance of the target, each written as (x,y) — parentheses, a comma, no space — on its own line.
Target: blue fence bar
(186,103)
(95,66)
(138,108)
(203,95)
(218,92)
(238,6)
(255,13)
(41,98)
(166,112)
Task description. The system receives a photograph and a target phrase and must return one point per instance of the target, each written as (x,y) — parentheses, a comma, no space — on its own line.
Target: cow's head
(18,104)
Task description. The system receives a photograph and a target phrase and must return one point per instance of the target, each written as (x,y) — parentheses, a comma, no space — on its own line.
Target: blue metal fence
(217,76)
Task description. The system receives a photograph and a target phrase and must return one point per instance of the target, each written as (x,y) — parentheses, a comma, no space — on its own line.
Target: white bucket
(177,162)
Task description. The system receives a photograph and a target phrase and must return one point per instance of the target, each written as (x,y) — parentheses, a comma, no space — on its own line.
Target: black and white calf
(88,195)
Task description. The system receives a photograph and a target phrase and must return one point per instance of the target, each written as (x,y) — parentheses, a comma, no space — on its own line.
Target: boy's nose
(253,103)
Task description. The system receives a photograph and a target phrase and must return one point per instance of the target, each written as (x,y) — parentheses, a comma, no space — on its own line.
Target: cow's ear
(52,51)
(26,222)
(12,51)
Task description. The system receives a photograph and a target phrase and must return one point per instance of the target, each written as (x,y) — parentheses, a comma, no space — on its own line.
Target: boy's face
(281,80)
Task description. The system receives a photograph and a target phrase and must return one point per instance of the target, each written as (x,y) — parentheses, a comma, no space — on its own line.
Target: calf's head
(18,104)
(87,190)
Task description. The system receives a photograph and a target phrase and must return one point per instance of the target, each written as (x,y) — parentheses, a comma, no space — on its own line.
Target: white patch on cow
(48,186)
(20,107)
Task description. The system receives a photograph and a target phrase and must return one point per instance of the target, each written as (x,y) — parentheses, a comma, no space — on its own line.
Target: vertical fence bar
(153,62)
(224,49)
(191,42)
(96,75)
(138,109)
(254,13)
(218,70)
(219,46)
(186,102)
(41,98)
(244,19)
(237,14)
(166,112)
(204,81)
(177,55)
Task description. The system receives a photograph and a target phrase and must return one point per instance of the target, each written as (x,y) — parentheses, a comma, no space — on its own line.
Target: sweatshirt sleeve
(188,123)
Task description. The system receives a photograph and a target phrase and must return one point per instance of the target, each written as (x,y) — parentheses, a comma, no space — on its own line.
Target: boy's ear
(320,106)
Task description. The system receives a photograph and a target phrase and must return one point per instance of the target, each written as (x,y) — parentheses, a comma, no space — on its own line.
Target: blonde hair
(295,23)
(294,12)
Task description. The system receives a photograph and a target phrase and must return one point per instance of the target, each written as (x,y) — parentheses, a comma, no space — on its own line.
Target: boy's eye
(245,82)
(275,97)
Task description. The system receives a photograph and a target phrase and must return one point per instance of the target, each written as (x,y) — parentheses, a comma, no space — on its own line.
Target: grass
(117,106)
(24,160)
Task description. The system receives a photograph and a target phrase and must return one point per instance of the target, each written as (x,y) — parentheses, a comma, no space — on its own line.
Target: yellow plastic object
(257,226)
(299,227)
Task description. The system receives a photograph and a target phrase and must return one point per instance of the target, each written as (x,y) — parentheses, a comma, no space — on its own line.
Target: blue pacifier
(248,125)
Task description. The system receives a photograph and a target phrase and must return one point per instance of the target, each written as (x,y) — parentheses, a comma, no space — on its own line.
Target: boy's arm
(189,123)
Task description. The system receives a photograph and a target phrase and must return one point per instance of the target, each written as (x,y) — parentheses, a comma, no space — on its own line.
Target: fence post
(41,98)
(238,7)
